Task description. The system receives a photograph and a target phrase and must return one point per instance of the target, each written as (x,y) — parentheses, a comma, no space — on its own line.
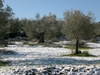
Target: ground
(38,55)
(43,56)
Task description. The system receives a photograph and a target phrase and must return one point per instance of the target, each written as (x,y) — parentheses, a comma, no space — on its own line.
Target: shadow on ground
(53,61)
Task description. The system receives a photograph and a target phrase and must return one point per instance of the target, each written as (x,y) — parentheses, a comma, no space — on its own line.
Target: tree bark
(76,50)
(41,37)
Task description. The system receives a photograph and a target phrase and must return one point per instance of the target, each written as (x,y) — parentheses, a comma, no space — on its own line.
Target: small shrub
(3,43)
(4,63)
(82,54)
(54,40)
(85,53)
(25,42)
(82,44)
(34,40)
(93,40)
(79,52)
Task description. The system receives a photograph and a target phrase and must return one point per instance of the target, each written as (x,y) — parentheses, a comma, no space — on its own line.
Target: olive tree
(50,26)
(45,27)
(97,28)
(39,28)
(27,27)
(5,16)
(77,26)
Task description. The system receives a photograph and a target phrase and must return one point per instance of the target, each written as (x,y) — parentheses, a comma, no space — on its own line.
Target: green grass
(80,48)
(38,44)
(83,54)
(4,63)
(31,44)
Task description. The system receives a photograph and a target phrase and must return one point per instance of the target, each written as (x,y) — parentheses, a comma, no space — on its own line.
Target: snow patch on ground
(36,56)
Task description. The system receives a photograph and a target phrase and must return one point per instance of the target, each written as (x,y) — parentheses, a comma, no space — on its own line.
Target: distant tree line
(75,25)
(44,28)
(5,15)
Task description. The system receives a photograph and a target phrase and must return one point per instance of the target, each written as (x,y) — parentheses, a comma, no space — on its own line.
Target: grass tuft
(82,54)
(80,48)
(4,63)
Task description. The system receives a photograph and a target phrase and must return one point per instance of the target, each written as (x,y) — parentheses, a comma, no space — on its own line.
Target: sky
(29,8)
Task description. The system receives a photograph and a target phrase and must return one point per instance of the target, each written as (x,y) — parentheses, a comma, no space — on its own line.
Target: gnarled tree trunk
(41,37)
(76,49)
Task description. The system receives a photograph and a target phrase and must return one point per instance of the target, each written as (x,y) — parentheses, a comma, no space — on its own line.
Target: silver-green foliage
(5,16)
(77,25)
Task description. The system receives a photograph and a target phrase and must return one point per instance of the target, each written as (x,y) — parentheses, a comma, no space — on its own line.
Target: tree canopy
(5,16)
(77,25)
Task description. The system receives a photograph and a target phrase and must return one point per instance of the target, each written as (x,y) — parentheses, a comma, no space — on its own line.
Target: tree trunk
(76,50)
(41,37)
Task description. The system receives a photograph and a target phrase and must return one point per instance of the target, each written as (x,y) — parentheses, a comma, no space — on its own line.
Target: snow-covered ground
(43,56)
(38,55)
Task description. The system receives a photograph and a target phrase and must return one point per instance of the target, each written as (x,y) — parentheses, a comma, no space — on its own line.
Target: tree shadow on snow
(53,61)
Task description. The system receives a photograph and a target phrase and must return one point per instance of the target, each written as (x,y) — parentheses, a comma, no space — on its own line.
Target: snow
(35,53)
(38,55)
